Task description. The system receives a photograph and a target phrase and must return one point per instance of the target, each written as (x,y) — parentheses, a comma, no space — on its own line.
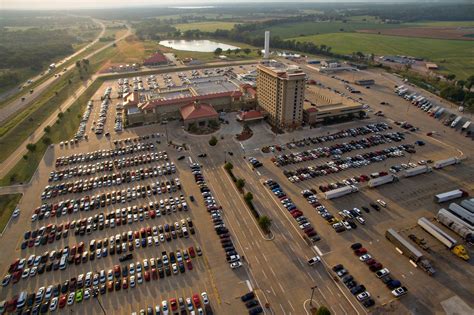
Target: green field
(205,26)
(313,28)
(8,204)
(453,56)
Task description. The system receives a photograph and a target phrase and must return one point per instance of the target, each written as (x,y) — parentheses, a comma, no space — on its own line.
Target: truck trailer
(462,213)
(410,251)
(453,194)
(417,170)
(466,126)
(457,225)
(468,204)
(339,192)
(443,163)
(456,121)
(382,180)
(444,238)
(439,113)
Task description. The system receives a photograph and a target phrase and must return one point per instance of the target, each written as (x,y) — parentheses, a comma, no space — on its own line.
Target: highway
(21,150)
(17,104)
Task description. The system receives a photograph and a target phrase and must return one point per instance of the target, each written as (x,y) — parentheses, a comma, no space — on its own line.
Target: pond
(201,45)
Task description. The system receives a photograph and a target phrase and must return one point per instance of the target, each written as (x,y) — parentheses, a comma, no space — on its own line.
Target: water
(201,45)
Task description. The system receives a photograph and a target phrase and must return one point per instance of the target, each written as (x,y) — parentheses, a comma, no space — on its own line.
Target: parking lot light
(312,294)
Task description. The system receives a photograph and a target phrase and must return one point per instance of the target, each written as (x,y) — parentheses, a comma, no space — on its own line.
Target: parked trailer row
(462,228)
(453,194)
(444,238)
(443,163)
(468,204)
(382,180)
(410,251)
(462,213)
(339,192)
(456,121)
(417,170)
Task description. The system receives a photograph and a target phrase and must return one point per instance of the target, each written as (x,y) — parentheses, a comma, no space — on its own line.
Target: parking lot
(273,266)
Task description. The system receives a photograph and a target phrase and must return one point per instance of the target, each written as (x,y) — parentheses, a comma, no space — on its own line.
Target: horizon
(32,5)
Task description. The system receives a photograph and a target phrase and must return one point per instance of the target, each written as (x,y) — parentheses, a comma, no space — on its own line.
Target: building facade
(280,92)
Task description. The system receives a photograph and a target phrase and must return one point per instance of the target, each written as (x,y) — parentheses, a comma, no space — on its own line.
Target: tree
(248,197)
(218,51)
(228,166)
(247,51)
(265,222)
(240,183)
(323,310)
(78,64)
(228,51)
(451,76)
(213,141)
(47,129)
(461,83)
(31,147)
(259,52)
(47,140)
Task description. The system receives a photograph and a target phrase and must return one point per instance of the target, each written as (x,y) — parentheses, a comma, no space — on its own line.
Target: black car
(251,303)
(256,310)
(368,303)
(247,297)
(181,158)
(126,257)
(356,246)
(358,289)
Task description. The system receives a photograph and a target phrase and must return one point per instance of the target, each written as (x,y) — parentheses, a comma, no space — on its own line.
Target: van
(21,300)
(62,262)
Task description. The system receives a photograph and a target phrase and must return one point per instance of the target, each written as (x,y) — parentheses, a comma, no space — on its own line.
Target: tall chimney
(267,45)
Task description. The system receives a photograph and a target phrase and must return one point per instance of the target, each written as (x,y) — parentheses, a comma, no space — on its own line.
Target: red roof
(197,110)
(156,58)
(311,110)
(250,115)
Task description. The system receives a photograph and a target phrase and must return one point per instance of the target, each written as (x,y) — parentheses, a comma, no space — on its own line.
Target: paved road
(17,104)
(21,150)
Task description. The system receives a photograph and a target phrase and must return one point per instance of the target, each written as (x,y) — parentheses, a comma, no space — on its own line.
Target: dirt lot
(427,32)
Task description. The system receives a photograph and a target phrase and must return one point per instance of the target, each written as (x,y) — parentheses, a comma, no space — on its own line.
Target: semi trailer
(449,195)
(455,224)
(462,213)
(407,249)
(444,238)
(339,192)
(417,170)
(382,180)
(443,163)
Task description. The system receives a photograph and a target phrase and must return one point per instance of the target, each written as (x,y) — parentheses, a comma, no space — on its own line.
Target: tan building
(280,92)
(322,106)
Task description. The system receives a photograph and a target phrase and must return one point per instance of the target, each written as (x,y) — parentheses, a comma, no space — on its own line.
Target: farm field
(313,28)
(205,26)
(454,56)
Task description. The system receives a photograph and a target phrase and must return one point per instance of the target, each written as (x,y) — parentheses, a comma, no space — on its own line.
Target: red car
(191,251)
(154,274)
(189,264)
(360,251)
(196,300)
(173,304)
(62,301)
(147,276)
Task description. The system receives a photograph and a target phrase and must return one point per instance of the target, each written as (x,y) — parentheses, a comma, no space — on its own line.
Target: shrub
(31,147)
(213,141)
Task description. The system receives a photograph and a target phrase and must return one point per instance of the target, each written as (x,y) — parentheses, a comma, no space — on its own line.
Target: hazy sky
(69,4)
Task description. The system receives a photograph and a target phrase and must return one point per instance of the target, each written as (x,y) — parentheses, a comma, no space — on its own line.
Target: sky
(75,4)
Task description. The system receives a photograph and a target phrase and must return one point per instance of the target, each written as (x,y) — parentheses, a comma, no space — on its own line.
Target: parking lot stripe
(211,276)
(281,287)
(283,310)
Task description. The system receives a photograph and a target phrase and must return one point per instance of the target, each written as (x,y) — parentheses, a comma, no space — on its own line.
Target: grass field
(63,129)
(313,28)
(205,26)
(454,56)
(8,204)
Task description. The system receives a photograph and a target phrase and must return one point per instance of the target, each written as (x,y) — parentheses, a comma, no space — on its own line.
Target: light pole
(312,294)
(225,157)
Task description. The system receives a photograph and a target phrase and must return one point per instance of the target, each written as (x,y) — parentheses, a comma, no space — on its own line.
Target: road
(17,104)
(21,150)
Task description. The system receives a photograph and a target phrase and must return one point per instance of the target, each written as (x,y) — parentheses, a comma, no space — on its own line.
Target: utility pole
(312,294)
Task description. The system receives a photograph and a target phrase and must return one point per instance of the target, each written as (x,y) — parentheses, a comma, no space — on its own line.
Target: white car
(70,298)
(363,296)
(382,272)
(365,257)
(346,224)
(381,202)
(189,304)
(399,291)
(16,213)
(205,298)
(164,307)
(235,265)
(54,304)
(314,260)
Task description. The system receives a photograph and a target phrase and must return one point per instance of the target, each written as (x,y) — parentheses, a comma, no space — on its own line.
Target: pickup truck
(314,260)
